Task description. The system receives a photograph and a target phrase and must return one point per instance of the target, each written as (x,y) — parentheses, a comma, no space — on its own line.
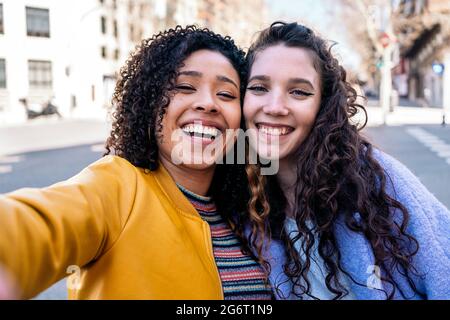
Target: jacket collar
(173,194)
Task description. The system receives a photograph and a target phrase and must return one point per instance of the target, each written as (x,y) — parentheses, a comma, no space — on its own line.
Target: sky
(323,17)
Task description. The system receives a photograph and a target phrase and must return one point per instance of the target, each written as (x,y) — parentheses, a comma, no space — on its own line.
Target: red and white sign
(387,39)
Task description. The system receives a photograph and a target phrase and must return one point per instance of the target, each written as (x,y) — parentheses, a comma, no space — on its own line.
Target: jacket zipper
(211,255)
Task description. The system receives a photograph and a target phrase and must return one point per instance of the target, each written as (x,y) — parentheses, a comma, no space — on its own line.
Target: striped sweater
(242,277)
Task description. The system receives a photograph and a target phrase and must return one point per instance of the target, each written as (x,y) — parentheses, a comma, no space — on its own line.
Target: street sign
(438,68)
(385,40)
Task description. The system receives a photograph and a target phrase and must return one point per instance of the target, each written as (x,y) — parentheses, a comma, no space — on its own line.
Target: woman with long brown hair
(344,219)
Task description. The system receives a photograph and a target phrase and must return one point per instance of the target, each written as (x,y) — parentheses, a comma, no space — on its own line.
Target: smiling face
(205,103)
(282,99)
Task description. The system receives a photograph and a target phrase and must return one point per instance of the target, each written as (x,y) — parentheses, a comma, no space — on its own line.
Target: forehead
(209,62)
(281,62)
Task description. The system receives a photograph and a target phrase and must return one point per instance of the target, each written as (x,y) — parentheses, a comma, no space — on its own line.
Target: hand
(7,289)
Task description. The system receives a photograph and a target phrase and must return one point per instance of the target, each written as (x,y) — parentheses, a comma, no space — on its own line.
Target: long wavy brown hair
(337,177)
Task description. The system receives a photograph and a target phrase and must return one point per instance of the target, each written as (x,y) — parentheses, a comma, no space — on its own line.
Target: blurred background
(59,61)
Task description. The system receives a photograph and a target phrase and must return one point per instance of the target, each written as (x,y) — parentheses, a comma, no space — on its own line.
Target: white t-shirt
(317,271)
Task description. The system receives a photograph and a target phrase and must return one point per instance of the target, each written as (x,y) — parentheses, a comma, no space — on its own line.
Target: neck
(195,180)
(287,178)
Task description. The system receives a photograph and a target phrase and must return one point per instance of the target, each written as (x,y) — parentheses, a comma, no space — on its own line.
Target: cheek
(250,107)
(233,116)
(173,111)
(306,115)
(168,125)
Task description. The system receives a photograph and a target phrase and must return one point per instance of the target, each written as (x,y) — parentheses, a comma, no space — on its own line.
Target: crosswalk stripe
(435,144)
(5,169)
(11,159)
(98,148)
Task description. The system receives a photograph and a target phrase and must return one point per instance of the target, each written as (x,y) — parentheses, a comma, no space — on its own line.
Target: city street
(424,149)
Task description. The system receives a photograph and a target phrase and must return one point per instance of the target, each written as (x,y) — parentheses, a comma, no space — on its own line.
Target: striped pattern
(242,277)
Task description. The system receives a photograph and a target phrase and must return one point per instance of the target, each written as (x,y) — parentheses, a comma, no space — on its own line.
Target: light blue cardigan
(429,224)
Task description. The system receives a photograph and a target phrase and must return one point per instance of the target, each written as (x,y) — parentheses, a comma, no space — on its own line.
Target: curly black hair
(337,176)
(143,93)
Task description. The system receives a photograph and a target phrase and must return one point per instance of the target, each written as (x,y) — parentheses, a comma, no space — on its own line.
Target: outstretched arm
(44,231)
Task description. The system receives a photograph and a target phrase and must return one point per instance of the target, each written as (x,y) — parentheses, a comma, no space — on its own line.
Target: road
(421,148)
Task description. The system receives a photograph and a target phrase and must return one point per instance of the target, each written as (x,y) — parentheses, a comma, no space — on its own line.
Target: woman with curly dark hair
(345,220)
(147,221)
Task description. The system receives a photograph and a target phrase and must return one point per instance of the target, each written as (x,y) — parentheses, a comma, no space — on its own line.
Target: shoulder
(394,168)
(107,171)
(404,186)
(400,181)
(427,214)
(112,161)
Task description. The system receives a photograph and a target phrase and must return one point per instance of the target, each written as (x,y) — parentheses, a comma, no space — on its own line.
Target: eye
(227,95)
(300,93)
(257,88)
(184,88)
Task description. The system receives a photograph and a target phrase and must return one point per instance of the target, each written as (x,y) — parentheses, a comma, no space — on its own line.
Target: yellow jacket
(131,231)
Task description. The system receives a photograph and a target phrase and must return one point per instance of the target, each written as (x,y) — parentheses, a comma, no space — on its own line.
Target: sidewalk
(404,116)
(44,134)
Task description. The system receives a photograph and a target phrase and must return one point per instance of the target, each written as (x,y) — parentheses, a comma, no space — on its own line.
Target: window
(103,24)
(2,74)
(103,50)
(116,29)
(131,32)
(40,74)
(38,22)
(1,18)
(93,93)
(116,54)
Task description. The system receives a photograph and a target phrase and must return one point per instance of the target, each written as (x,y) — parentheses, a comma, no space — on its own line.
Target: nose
(276,106)
(206,104)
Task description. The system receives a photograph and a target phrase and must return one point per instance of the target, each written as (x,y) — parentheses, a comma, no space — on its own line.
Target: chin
(200,166)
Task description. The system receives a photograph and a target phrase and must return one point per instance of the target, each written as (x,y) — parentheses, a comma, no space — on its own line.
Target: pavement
(403,116)
(46,134)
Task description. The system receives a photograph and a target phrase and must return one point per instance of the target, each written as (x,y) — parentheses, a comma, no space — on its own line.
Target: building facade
(423,31)
(60,51)
(71,52)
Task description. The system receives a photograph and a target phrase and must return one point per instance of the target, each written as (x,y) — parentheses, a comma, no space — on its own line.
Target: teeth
(199,129)
(273,131)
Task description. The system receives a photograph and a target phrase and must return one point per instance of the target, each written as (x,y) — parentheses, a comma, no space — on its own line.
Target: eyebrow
(301,81)
(199,74)
(291,81)
(191,73)
(262,78)
(225,79)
